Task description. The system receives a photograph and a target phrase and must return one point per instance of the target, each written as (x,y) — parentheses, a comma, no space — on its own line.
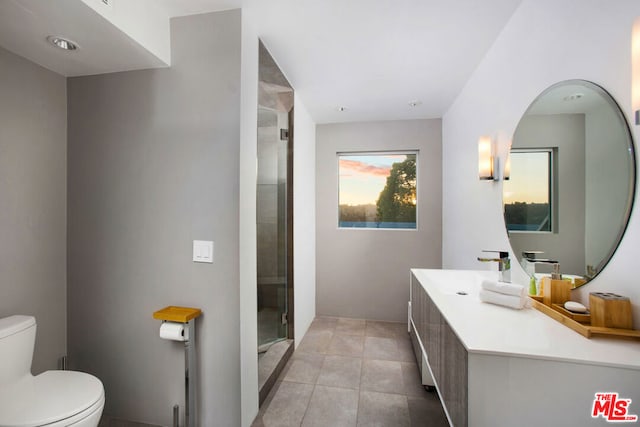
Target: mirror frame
(619,113)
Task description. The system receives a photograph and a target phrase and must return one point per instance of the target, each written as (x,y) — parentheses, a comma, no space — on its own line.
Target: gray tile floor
(349,372)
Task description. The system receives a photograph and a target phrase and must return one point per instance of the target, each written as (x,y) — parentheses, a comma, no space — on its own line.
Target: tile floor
(349,372)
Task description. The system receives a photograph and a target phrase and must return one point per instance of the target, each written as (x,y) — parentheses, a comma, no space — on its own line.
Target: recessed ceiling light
(341,108)
(415,103)
(573,97)
(62,43)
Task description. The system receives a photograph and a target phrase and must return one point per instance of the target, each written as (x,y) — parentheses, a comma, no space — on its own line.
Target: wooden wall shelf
(177,314)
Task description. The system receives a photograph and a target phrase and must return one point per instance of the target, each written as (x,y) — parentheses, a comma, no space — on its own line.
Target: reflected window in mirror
(529,204)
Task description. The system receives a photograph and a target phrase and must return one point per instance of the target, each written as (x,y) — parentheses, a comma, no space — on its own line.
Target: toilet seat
(53,398)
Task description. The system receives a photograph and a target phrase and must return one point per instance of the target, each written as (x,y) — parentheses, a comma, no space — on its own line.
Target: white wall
(304,218)
(363,273)
(248,228)
(546,41)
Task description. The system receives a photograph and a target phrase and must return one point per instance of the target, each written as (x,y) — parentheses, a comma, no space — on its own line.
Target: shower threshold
(270,365)
(263,348)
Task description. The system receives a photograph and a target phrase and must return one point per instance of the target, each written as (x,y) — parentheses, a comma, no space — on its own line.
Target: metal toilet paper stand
(186,316)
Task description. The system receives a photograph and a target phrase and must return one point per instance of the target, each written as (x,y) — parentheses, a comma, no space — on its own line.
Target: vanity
(494,366)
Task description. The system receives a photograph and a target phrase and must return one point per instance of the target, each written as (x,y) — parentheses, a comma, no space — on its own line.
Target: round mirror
(571,182)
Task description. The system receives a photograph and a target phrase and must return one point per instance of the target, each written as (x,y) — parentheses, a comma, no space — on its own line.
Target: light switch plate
(203,251)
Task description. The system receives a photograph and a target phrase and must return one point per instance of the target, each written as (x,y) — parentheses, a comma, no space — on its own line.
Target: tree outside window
(377,190)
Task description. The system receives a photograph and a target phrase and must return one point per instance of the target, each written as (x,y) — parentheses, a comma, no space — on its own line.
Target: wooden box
(555,291)
(610,310)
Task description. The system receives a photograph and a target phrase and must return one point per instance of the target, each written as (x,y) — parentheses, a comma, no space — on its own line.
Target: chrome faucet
(504,265)
(529,261)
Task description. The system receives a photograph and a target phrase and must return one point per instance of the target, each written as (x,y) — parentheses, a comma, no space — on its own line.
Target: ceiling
(193,7)
(104,48)
(373,57)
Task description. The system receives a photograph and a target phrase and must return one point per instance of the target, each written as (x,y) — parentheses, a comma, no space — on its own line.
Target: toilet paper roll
(173,331)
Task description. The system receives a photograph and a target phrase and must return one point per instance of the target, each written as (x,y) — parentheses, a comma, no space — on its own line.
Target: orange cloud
(362,168)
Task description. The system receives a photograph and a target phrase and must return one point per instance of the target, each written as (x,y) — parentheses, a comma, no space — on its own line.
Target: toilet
(51,399)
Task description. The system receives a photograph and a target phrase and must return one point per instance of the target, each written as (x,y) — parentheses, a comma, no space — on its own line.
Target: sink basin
(459,282)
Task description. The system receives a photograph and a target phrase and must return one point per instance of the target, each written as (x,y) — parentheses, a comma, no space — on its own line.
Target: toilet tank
(17,340)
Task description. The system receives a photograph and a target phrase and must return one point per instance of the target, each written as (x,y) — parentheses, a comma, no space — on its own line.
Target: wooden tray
(578,317)
(536,297)
(585,330)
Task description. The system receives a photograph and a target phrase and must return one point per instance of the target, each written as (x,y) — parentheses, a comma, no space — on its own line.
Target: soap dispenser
(554,289)
(528,262)
(533,290)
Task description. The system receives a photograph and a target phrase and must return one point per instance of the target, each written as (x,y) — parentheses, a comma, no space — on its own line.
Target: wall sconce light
(487,162)
(635,70)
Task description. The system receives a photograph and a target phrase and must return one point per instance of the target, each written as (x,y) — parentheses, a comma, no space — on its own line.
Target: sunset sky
(529,181)
(362,177)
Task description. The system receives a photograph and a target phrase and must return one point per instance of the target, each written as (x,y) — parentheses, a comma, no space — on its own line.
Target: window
(377,190)
(528,194)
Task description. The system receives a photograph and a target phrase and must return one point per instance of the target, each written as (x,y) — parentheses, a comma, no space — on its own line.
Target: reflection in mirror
(527,194)
(572,180)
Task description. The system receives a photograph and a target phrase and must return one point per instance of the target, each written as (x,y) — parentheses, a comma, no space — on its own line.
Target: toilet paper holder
(186,316)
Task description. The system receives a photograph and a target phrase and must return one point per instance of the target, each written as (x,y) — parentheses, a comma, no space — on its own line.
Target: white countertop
(491,329)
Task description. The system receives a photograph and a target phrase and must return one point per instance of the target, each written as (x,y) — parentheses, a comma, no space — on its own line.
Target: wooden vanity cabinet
(445,353)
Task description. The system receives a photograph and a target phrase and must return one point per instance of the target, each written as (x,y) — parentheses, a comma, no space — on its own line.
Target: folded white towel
(510,301)
(504,288)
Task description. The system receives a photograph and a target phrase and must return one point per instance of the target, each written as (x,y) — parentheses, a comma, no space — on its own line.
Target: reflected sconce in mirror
(507,166)
(487,166)
(635,70)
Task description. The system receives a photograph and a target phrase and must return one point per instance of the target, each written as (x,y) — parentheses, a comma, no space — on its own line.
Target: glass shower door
(272,225)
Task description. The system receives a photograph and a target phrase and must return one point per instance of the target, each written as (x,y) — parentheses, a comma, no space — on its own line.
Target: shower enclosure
(274,205)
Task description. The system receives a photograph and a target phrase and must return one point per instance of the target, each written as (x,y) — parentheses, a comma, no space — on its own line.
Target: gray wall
(33,195)
(153,165)
(608,182)
(365,273)
(567,133)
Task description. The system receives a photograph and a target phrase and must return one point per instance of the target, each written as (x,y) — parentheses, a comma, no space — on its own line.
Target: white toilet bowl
(51,399)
